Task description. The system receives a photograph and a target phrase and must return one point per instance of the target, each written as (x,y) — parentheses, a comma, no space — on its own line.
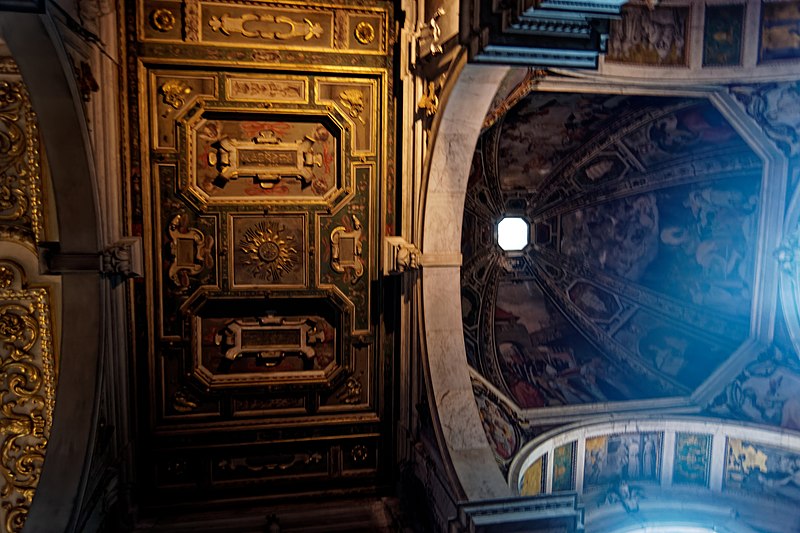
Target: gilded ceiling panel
(262,202)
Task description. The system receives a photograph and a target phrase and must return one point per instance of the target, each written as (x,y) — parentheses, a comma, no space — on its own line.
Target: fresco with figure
(758,468)
(722,35)
(564,467)
(650,36)
(638,282)
(780,26)
(700,237)
(628,457)
(767,391)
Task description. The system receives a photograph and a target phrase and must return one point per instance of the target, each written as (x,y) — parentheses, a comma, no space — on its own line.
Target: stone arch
(471,466)
(43,62)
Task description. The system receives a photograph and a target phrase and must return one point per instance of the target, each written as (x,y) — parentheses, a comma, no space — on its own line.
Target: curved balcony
(668,474)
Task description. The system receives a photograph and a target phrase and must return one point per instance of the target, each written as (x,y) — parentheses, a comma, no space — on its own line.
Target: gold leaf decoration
(162,19)
(27,394)
(365,33)
(269,251)
(20,196)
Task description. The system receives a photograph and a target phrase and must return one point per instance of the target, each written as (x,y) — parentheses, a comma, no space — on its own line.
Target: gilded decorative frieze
(20,179)
(266,26)
(240,25)
(271,463)
(275,89)
(349,29)
(27,394)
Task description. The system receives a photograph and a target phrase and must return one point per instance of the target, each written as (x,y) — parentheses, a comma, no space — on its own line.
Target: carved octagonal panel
(240,342)
(253,158)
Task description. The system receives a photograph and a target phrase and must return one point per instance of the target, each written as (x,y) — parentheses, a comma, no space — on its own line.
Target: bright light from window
(668,529)
(512,234)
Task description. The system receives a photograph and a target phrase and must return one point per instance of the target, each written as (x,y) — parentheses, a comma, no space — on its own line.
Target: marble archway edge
(43,62)
(471,466)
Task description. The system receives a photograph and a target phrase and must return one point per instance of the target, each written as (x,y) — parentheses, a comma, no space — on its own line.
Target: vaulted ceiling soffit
(642,286)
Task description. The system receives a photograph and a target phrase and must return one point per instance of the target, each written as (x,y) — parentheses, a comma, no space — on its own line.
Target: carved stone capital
(400,256)
(123,258)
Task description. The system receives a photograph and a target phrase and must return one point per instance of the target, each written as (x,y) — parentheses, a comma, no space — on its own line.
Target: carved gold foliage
(266,26)
(27,393)
(174,93)
(353,101)
(269,251)
(429,101)
(20,196)
(351,393)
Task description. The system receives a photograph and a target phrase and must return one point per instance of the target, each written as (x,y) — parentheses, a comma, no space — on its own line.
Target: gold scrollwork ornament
(228,25)
(353,101)
(25,401)
(364,33)
(162,19)
(6,277)
(346,249)
(351,394)
(429,101)
(191,251)
(174,93)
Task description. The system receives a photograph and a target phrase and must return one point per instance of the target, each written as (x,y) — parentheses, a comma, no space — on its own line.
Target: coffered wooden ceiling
(263,162)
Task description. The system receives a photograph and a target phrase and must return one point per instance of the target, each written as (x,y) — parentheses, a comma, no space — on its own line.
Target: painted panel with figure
(650,36)
(696,240)
(545,361)
(756,468)
(629,457)
(533,479)
(767,391)
(672,349)
(498,423)
(690,128)
(564,467)
(780,30)
(692,459)
(541,129)
(722,38)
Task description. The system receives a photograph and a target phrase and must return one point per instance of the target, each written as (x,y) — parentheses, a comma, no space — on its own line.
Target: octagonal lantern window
(513,234)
